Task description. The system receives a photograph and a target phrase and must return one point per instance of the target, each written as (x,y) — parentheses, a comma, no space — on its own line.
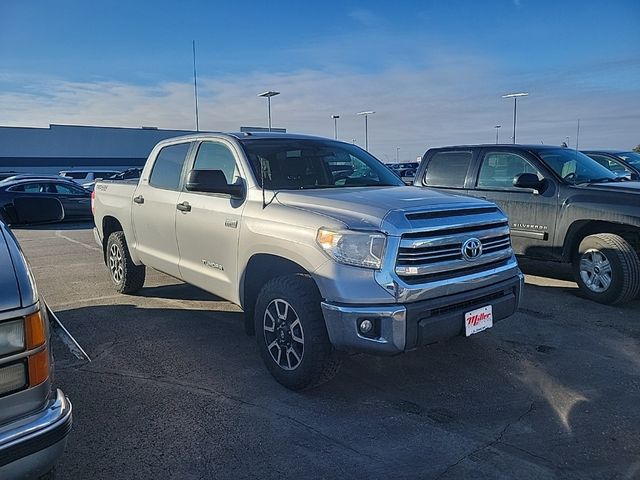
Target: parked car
(76,201)
(84,176)
(22,176)
(622,163)
(129,174)
(322,246)
(35,418)
(4,175)
(406,171)
(562,206)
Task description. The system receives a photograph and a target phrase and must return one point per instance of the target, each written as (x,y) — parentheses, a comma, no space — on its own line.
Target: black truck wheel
(126,276)
(291,333)
(607,269)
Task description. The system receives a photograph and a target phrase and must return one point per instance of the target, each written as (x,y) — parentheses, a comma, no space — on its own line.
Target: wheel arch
(261,268)
(580,229)
(110,224)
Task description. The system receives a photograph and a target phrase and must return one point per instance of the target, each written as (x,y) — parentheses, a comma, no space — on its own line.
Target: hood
(364,208)
(9,291)
(626,187)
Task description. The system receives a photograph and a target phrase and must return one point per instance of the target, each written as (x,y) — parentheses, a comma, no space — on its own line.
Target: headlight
(362,249)
(11,337)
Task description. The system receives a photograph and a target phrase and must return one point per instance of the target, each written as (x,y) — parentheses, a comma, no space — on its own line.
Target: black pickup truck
(562,206)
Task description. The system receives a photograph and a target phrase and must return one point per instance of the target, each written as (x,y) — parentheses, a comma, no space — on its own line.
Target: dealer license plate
(478,320)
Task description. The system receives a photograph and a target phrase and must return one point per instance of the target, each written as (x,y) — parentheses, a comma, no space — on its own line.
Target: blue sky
(433,71)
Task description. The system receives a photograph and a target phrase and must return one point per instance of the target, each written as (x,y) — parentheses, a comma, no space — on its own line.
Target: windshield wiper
(602,180)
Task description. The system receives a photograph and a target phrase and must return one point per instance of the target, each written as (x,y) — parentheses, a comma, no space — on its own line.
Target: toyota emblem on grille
(472,249)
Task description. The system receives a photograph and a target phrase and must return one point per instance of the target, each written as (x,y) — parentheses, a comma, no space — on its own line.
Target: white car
(84,176)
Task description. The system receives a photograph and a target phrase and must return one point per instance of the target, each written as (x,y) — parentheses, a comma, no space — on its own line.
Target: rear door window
(167,168)
(448,169)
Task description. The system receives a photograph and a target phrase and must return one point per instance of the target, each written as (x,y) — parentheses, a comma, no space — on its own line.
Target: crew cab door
(208,225)
(154,209)
(532,214)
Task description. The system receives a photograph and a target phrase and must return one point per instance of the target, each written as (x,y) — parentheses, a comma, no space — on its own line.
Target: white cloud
(452,101)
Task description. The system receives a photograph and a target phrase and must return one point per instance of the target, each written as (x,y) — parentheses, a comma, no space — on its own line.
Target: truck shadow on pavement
(178,291)
(531,398)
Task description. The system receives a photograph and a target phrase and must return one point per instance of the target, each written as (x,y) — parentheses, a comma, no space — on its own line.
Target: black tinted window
(168,167)
(499,168)
(65,189)
(215,156)
(448,169)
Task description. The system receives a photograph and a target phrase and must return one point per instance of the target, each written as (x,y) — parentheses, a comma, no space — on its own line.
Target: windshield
(632,158)
(576,167)
(292,164)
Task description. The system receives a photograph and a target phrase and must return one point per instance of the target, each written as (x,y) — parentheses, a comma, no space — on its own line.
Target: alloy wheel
(283,334)
(595,270)
(115,263)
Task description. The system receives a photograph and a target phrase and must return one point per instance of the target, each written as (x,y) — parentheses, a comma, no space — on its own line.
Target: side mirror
(528,180)
(213,181)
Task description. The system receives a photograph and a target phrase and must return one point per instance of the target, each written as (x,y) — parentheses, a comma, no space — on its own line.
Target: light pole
(366,127)
(515,108)
(269,94)
(497,127)
(335,125)
(397,154)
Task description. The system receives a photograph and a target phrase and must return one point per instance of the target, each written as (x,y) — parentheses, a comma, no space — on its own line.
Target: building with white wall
(65,147)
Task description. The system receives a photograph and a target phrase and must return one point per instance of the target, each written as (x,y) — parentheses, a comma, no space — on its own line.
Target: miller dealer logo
(476,319)
(471,249)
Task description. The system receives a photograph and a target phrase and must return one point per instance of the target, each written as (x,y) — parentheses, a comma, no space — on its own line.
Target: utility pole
(195,84)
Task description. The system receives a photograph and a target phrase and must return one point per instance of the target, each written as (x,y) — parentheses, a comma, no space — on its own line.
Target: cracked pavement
(177,391)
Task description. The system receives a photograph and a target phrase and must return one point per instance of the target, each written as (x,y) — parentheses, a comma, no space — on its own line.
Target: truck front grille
(434,249)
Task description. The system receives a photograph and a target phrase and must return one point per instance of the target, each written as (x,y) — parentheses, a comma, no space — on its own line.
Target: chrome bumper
(403,327)
(29,447)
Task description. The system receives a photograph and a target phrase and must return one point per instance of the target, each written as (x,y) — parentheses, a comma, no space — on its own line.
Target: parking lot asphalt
(176,390)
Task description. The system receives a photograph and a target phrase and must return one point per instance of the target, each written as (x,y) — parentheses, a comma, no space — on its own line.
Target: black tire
(125,275)
(317,360)
(607,269)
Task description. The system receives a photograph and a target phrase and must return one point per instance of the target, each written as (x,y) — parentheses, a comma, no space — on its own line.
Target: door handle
(139,199)
(184,207)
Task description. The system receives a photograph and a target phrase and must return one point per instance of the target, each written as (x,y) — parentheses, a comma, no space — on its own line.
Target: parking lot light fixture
(269,94)
(335,125)
(366,127)
(515,108)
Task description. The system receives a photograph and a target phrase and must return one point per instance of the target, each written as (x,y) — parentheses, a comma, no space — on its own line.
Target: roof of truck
(246,136)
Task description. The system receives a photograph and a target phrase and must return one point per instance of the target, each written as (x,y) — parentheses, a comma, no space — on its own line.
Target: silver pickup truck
(323,247)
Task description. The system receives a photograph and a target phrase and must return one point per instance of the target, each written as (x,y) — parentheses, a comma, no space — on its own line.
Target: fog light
(366,326)
(12,378)
(11,337)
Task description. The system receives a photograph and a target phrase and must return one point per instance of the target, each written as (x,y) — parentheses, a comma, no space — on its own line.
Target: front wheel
(291,333)
(125,275)
(607,269)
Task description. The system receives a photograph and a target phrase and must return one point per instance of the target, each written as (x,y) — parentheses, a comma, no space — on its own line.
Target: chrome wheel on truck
(291,333)
(607,268)
(115,263)
(595,270)
(126,276)
(283,334)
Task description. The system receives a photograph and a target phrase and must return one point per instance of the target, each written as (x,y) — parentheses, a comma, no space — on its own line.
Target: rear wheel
(607,269)
(125,275)
(291,333)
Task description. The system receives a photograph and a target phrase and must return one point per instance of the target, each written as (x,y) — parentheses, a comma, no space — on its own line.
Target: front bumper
(30,446)
(402,327)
